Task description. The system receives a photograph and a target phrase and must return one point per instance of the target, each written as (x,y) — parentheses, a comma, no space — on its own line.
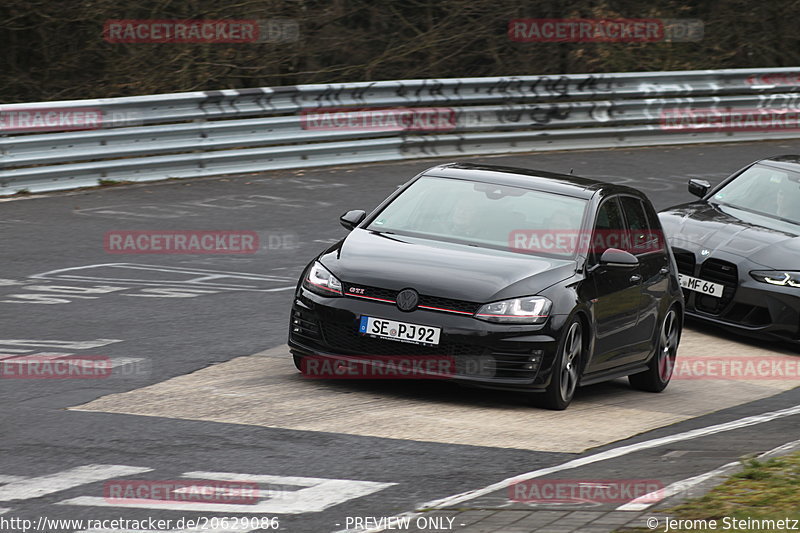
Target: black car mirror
(614,257)
(699,187)
(351,219)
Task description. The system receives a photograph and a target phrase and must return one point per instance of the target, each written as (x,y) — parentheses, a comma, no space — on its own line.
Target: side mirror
(699,187)
(614,257)
(351,219)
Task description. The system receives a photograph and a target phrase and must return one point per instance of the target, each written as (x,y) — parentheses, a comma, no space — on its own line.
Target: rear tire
(662,364)
(566,369)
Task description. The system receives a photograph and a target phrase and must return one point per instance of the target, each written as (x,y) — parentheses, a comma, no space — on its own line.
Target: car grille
(373,292)
(724,273)
(446,304)
(435,303)
(750,315)
(685,261)
(304,324)
(516,360)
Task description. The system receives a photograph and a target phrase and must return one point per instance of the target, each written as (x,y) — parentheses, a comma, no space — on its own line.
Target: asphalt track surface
(169,320)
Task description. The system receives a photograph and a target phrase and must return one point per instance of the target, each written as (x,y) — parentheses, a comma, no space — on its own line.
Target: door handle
(664,271)
(636,278)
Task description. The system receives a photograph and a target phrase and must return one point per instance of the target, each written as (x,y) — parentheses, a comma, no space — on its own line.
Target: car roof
(540,180)
(788,162)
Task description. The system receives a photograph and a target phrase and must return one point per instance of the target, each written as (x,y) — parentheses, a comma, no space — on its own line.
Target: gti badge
(407,300)
(704,252)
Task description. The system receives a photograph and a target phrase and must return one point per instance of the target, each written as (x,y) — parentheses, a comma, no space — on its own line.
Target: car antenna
(570,171)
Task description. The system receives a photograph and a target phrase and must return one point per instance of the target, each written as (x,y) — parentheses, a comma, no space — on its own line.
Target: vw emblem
(704,252)
(407,300)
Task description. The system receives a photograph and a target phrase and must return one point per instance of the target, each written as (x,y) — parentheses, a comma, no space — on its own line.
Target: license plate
(398,331)
(702,286)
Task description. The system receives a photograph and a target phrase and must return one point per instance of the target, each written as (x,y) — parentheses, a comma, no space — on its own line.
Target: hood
(764,240)
(442,269)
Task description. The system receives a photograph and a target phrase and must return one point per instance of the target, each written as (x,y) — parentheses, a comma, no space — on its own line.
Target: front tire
(662,364)
(566,369)
(298,361)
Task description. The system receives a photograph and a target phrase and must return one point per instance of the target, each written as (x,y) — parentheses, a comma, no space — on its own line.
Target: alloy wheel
(570,360)
(668,346)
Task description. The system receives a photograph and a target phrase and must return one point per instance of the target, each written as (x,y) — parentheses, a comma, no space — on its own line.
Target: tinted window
(657,235)
(608,216)
(608,228)
(634,213)
(641,238)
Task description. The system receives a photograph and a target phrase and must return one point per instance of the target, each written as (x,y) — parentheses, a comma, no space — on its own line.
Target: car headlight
(320,281)
(777,277)
(527,310)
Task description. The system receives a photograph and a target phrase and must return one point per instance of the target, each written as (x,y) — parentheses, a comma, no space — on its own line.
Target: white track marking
(4,510)
(782,449)
(619,452)
(189,277)
(40,486)
(69,345)
(603,456)
(41,356)
(643,502)
(318,495)
(10,479)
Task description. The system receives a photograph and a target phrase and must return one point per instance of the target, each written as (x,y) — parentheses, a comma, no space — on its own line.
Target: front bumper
(500,356)
(747,306)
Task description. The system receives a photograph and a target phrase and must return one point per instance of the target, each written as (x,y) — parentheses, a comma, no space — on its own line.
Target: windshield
(477,213)
(764,190)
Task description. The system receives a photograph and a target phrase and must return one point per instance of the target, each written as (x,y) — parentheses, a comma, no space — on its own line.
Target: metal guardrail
(196,134)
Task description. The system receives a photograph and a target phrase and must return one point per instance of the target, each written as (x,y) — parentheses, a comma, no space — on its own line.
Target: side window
(656,232)
(641,238)
(608,227)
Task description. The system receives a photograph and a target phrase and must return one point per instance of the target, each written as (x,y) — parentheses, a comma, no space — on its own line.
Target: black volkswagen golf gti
(526,280)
